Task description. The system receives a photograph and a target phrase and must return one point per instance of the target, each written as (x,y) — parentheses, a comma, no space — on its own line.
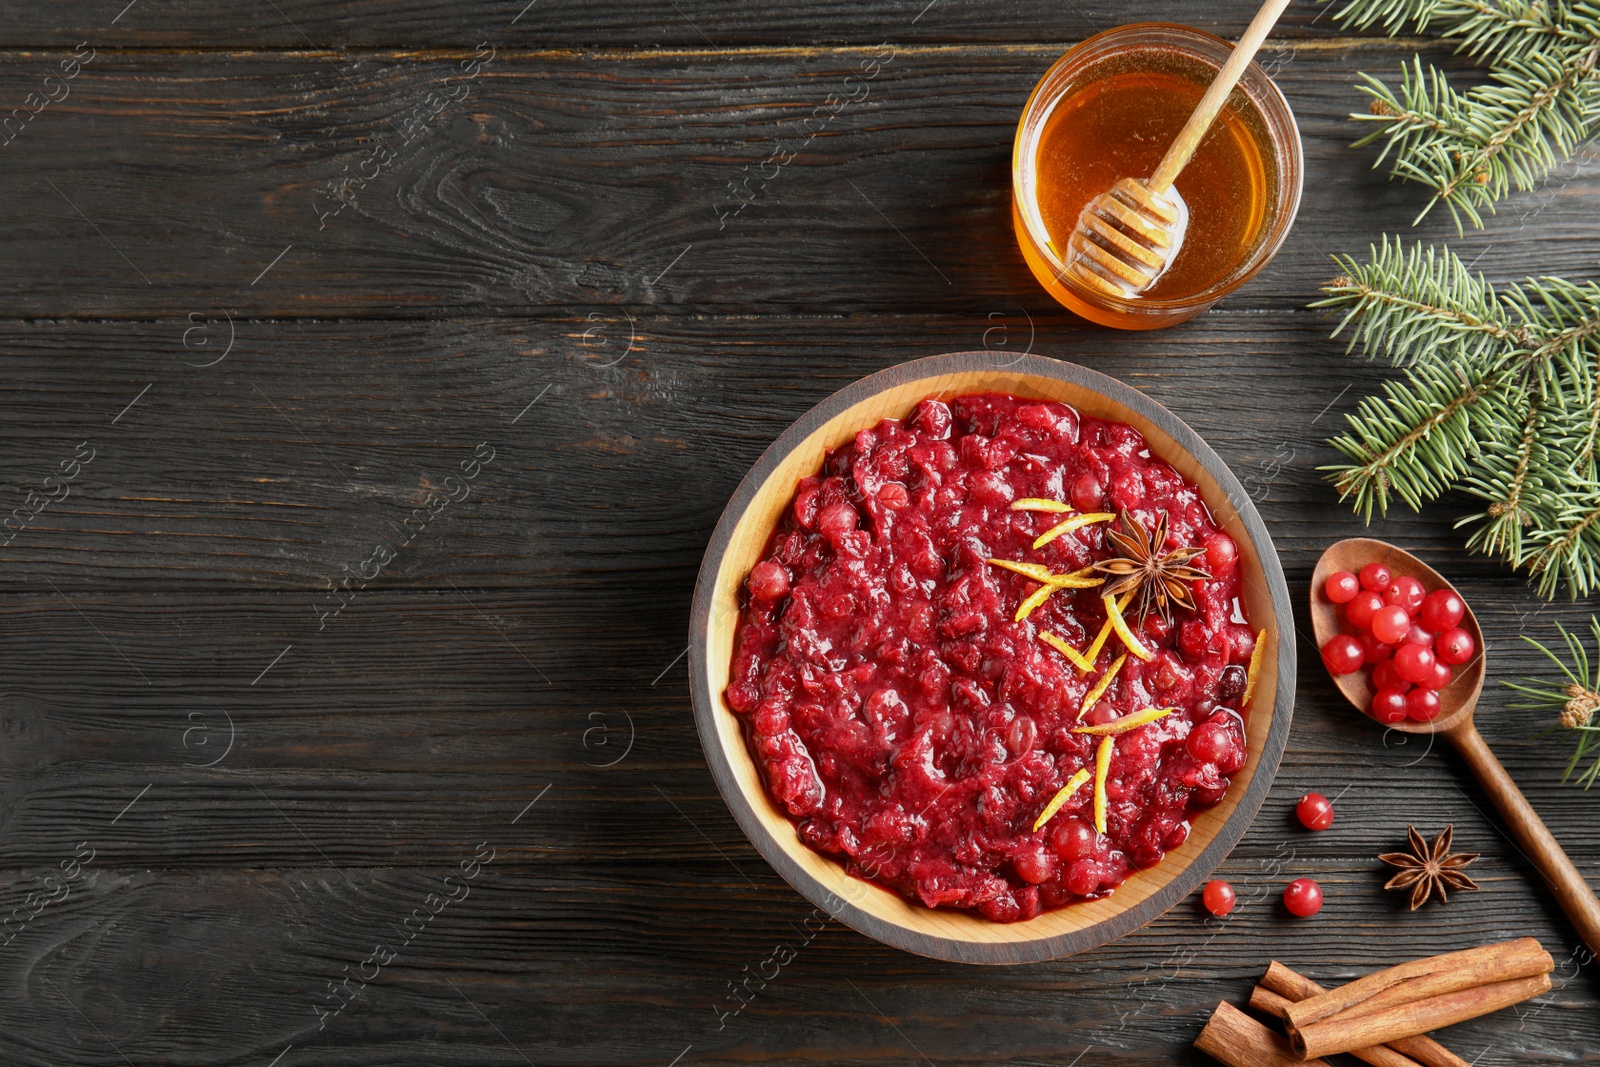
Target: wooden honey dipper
(1126,237)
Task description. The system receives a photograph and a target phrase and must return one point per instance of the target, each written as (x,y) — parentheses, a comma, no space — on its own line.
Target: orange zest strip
(1101,686)
(1077,658)
(1102,770)
(1254,672)
(1072,524)
(1114,616)
(1037,571)
(1126,723)
(1034,503)
(1038,597)
(1063,795)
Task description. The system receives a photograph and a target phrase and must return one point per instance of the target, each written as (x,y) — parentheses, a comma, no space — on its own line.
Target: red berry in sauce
(1341,587)
(768,581)
(1454,646)
(1375,577)
(1373,650)
(1314,811)
(1441,610)
(1391,623)
(1422,705)
(1221,555)
(1414,663)
(1342,654)
(1441,675)
(1219,897)
(1406,592)
(1072,839)
(1362,608)
(1303,897)
(1389,705)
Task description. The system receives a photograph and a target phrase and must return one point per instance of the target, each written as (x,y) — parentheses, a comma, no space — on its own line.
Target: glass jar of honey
(1109,109)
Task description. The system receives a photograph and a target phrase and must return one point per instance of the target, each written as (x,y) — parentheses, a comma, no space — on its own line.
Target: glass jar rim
(1264,95)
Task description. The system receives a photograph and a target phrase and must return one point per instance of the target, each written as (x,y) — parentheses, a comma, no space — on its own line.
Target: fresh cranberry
(1441,610)
(1362,608)
(1375,577)
(1385,676)
(1417,635)
(1314,811)
(1341,587)
(1373,650)
(1342,654)
(1422,705)
(1454,646)
(768,581)
(1406,592)
(1303,897)
(1218,897)
(1389,706)
(1441,675)
(1391,623)
(1414,663)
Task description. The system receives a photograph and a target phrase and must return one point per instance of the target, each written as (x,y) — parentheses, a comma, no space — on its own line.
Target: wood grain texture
(506,255)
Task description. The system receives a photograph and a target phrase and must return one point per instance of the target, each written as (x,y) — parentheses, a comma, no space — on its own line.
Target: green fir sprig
(1500,398)
(1574,702)
(1541,99)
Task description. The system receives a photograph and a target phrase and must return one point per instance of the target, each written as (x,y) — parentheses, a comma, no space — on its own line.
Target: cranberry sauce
(913,729)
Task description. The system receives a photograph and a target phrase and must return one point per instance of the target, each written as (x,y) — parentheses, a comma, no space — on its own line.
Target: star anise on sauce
(1158,579)
(1429,871)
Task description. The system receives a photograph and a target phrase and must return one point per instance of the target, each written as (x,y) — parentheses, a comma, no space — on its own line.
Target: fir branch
(1541,101)
(1573,700)
(1501,398)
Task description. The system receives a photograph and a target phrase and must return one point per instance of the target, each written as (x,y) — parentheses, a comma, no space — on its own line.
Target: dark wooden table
(458,301)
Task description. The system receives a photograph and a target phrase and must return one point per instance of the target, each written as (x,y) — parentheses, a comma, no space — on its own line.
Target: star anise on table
(1159,579)
(1429,871)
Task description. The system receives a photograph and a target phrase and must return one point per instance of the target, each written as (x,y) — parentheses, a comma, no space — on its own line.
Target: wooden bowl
(740,540)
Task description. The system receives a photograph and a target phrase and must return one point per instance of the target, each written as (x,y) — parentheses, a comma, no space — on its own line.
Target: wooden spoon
(1126,237)
(1457,702)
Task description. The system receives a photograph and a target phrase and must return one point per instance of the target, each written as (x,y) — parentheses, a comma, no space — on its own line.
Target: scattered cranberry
(1422,705)
(1343,654)
(1413,663)
(1391,623)
(1315,811)
(1406,592)
(1341,587)
(1303,897)
(1219,897)
(1455,646)
(1360,611)
(1441,610)
(1390,706)
(1375,577)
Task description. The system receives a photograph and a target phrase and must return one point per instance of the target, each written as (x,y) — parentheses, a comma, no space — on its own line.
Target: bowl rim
(707,705)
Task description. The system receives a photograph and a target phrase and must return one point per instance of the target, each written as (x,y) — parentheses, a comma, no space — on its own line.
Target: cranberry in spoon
(1457,701)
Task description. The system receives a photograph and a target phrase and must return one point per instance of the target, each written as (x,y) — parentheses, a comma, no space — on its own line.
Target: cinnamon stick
(1405,983)
(1352,1030)
(1294,986)
(1266,1001)
(1239,1041)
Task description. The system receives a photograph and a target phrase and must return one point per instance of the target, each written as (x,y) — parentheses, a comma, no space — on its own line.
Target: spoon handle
(1531,834)
(1205,112)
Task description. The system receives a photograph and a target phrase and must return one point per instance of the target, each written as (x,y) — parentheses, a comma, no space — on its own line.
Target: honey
(1113,115)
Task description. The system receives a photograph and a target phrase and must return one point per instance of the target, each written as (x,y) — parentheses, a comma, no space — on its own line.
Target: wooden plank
(288,464)
(296,24)
(547,185)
